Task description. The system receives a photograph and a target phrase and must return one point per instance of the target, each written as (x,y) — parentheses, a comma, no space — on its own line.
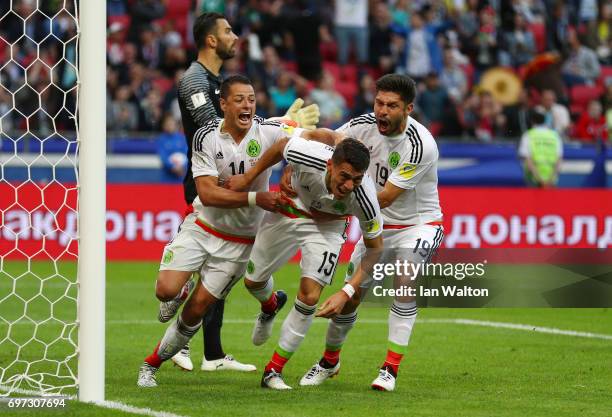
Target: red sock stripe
(277,363)
(393,360)
(332,356)
(270,305)
(153,359)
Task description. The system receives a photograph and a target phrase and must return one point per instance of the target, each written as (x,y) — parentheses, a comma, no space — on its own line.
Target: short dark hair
(353,152)
(537,117)
(231,80)
(400,84)
(203,26)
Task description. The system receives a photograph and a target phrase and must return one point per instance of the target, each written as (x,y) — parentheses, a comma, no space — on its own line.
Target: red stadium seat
(178,8)
(582,94)
(348,91)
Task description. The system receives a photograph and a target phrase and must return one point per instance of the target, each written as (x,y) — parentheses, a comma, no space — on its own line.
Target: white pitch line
(115,405)
(468,322)
(526,327)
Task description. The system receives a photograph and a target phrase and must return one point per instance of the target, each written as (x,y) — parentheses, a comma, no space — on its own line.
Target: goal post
(91,273)
(52,198)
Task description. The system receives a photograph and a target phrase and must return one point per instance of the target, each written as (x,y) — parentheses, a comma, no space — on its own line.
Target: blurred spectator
(558,27)
(453,77)
(400,14)
(482,116)
(557,116)
(351,22)
(364,102)
(172,149)
(486,40)
(422,53)
(517,116)
(265,108)
(143,13)
(283,93)
(151,111)
(592,124)
(433,102)
(124,114)
(581,66)
(604,34)
(541,151)
(149,48)
(519,45)
(305,27)
(380,39)
(331,104)
(115,44)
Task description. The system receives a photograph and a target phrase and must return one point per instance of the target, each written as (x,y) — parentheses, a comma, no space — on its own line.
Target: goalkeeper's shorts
(221,262)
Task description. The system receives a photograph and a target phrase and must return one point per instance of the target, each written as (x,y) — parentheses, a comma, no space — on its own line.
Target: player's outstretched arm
(211,194)
(334,304)
(270,157)
(323,135)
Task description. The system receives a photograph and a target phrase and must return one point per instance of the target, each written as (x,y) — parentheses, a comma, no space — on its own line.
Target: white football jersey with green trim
(215,153)
(408,161)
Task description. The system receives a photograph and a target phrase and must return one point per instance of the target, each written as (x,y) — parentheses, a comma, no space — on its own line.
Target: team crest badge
(168,256)
(351,268)
(250,267)
(340,207)
(253,148)
(394,159)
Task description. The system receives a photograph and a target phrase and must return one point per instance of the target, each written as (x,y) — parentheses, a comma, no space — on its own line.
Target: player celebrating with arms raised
(404,166)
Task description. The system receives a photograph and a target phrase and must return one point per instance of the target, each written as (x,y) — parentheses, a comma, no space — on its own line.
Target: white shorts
(279,239)
(221,263)
(414,244)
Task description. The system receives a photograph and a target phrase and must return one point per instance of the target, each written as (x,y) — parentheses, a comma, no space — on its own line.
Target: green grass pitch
(450,369)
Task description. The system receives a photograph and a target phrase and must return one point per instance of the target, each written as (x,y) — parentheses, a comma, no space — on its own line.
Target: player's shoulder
(196,74)
(308,154)
(364,121)
(421,141)
(365,197)
(205,132)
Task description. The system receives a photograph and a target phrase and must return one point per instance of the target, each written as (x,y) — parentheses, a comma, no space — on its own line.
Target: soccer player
(404,167)
(331,185)
(198,96)
(217,238)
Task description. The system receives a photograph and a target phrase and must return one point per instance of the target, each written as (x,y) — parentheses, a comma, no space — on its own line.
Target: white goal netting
(38,196)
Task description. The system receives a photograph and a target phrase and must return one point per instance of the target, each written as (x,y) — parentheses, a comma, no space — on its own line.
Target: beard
(225,52)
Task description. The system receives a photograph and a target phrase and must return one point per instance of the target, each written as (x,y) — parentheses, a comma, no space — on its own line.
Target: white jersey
(308,160)
(216,154)
(408,161)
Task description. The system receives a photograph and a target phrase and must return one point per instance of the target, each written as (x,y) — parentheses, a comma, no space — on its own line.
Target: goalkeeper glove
(306,117)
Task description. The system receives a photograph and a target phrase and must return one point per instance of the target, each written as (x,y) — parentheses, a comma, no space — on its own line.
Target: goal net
(39,180)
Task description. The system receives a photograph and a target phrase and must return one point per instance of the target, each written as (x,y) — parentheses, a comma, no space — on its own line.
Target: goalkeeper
(198,97)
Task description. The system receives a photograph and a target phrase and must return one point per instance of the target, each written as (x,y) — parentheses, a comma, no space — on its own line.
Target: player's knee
(253,285)
(164,291)
(309,298)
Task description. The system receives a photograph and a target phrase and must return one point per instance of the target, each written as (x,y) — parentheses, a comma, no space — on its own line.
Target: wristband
(252,198)
(349,290)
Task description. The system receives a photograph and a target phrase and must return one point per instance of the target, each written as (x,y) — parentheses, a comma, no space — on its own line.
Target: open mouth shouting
(383,125)
(245,117)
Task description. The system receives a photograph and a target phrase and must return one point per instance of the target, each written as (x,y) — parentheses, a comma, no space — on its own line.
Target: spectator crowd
(329,53)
